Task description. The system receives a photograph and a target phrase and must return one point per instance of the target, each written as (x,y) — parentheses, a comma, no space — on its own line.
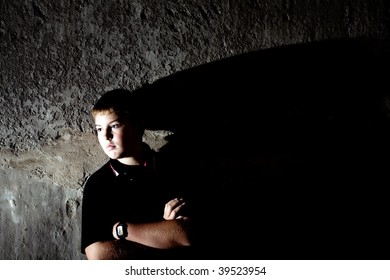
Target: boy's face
(116,136)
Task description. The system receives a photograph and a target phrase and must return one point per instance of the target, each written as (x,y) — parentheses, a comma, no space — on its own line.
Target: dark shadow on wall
(286,150)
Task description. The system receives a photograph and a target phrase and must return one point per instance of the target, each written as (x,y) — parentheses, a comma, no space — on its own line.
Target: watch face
(119,230)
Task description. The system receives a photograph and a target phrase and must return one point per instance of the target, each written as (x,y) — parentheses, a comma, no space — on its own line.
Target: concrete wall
(58,57)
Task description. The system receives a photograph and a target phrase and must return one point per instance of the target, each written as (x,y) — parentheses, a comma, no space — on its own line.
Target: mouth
(110,147)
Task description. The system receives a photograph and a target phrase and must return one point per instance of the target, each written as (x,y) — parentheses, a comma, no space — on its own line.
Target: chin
(112,155)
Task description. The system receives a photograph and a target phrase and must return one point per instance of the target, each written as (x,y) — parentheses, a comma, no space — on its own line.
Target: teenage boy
(129,210)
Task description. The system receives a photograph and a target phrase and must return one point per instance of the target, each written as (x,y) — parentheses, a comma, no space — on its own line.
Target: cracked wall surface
(58,57)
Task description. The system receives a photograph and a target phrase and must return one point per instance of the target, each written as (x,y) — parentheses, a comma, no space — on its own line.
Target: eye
(116,125)
(98,129)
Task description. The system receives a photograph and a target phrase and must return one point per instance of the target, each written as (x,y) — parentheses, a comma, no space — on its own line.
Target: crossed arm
(169,233)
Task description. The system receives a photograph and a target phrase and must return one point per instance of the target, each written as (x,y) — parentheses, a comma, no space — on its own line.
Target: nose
(108,134)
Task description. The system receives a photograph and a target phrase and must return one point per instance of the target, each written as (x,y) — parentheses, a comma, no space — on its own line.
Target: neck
(131,161)
(138,157)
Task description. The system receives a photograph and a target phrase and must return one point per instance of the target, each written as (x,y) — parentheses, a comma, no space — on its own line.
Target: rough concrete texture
(58,57)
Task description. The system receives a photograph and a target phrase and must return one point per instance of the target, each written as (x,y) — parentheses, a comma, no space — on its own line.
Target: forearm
(142,237)
(161,235)
(119,250)
(111,250)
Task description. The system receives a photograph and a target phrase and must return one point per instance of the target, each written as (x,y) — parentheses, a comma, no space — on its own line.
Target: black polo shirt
(115,192)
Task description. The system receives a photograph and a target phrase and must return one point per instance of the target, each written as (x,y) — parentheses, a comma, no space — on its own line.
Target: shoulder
(101,175)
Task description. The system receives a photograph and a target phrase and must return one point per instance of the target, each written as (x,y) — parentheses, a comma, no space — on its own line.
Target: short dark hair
(126,104)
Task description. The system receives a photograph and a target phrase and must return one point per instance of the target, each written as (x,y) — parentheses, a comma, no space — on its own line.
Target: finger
(174,202)
(172,214)
(172,207)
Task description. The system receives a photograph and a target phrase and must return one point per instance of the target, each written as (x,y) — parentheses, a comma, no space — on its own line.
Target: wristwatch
(121,230)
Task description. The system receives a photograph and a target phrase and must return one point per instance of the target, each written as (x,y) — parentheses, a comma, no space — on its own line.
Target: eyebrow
(116,120)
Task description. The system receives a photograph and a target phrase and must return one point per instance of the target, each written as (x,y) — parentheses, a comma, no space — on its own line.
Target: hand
(114,231)
(172,208)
